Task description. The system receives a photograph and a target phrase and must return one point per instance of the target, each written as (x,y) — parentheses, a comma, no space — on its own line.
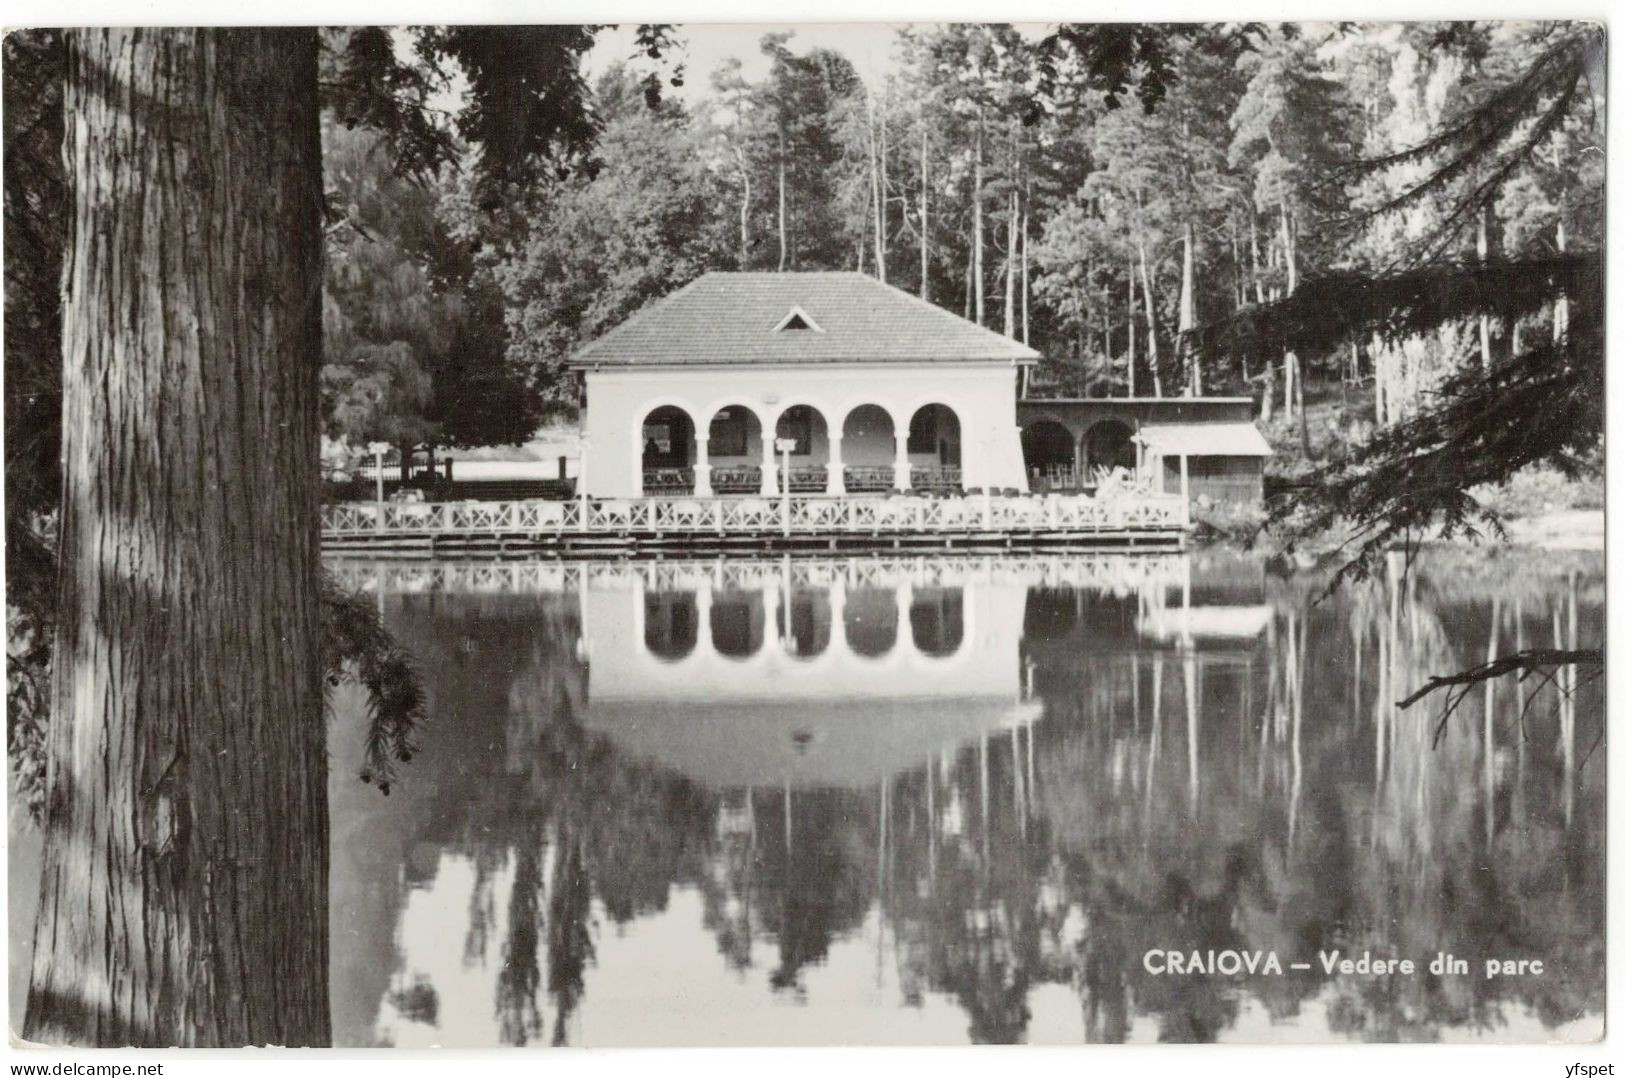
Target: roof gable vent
(797,319)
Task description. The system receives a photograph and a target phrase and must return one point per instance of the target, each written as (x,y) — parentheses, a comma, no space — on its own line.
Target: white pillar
(837,613)
(905,625)
(836,467)
(902,475)
(702,465)
(702,628)
(770,464)
(772,629)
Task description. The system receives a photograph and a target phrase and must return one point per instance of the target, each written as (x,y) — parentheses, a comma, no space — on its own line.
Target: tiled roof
(730,318)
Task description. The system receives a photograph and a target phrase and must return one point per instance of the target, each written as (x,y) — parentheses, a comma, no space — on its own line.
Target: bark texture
(184,892)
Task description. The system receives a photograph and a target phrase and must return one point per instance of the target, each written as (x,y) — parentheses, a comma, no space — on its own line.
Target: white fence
(786,515)
(1121,575)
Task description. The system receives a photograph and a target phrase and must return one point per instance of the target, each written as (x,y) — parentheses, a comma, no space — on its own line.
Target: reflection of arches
(735,450)
(1109,444)
(933,431)
(868,448)
(737,620)
(870,621)
(1049,452)
(936,618)
(671,624)
(806,630)
(805,425)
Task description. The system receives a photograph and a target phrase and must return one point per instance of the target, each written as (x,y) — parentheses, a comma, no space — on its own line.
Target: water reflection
(938,800)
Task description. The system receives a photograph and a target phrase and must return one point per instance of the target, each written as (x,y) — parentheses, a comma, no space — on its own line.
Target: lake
(943,800)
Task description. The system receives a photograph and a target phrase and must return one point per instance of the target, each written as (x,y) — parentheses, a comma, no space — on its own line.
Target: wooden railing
(1119,575)
(795,514)
(944,479)
(868,478)
(668,480)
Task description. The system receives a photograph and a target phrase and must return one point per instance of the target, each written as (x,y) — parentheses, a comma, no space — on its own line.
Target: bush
(1538,489)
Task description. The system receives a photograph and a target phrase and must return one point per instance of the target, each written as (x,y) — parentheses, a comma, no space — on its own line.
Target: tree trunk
(1258,280)
(183,897)
(874,184)
(1187,313)
(1560,309)
(1289,370)
(1131,327)
(1026,287)
(784,247)
(744,210)
(976,227)
(1150,322)
(1294,372)
(1011,243)
(1483,256)
(970,273)
(1303,413)
(1106,324)
(925,208)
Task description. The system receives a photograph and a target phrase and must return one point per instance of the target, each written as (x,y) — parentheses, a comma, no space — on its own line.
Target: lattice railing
(795,514)
(869,478)
(935,478)
(1114,574)
(668,480)
(743,479)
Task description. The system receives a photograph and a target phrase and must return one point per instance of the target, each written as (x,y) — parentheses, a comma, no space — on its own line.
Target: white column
(770,464)
(905,626)
(702,465)
(836,467)
(772,633)
(837,613)
(702,629)
(903,475)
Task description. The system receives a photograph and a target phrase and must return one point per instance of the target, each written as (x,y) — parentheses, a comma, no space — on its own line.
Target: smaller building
(1206,446)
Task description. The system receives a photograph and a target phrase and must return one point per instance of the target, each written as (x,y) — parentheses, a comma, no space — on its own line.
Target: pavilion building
(857,386)
(836,383)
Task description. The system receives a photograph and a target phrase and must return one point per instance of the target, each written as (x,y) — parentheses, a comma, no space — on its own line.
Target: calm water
(945,800)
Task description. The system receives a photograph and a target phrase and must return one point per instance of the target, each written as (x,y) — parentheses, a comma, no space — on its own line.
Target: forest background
(990,174)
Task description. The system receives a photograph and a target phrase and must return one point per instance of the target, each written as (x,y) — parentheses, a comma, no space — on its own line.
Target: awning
(1204,440)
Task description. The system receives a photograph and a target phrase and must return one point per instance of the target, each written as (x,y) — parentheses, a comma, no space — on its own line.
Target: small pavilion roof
(1204,440)
(795,318)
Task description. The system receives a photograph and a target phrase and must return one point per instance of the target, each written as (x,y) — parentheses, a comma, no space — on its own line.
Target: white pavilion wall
(982,396)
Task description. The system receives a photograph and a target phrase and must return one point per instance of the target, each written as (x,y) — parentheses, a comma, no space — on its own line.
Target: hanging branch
(356,646)
(1526,663)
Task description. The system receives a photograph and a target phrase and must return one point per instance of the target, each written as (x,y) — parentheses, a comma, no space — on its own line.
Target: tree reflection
(1207,787)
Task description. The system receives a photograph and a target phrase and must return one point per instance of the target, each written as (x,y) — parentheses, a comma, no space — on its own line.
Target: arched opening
(1048,450)
(870,621)
(1109,445)
(671,624)
(936,617)
(805,426)
(869,449)
(804,623)
(933,448)
(668,451)
(737,621)
(735,451)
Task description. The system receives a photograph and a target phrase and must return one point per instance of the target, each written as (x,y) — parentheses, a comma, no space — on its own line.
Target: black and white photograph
(701,534)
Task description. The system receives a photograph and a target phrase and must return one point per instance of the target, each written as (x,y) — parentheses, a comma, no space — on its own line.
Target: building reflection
(953,789)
